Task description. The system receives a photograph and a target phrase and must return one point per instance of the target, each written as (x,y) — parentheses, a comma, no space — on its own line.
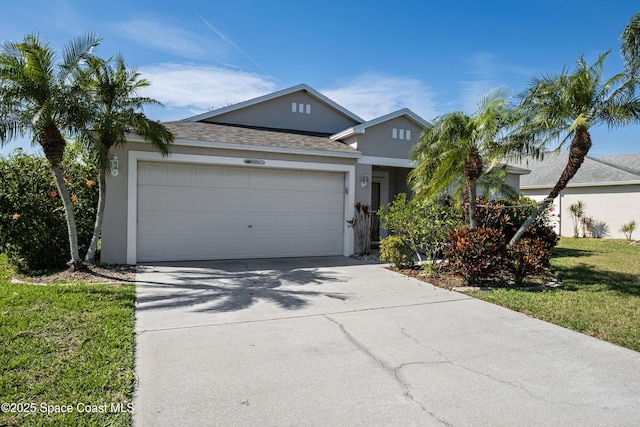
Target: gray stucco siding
(378,141)
(277,114)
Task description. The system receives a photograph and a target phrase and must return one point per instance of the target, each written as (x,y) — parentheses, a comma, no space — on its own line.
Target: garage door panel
(210,199)
(314,181)
(153,224)
(235,178)
(265,180)
(235,201)
(181,175)
(179,198)
(207,177)
(153,174)
(218,212)
(237,222)
(152,198)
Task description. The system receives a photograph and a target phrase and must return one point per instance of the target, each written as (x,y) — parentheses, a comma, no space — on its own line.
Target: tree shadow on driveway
(233,286)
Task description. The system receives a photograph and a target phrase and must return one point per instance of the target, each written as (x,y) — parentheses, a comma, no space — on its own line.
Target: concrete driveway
(338,342)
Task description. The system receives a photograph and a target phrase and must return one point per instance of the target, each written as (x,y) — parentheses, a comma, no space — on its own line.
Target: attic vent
(300,108)
(401,134)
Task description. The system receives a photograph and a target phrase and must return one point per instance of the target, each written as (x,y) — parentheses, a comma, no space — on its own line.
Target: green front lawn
(66,348)
(599,296)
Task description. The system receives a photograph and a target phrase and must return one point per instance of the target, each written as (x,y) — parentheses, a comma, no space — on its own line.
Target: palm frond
(76,53)
(630,44)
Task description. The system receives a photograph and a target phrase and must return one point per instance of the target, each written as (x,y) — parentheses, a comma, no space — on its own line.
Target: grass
(66,345)
(599,296)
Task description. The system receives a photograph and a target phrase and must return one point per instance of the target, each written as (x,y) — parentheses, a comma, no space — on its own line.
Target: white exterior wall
(615,205)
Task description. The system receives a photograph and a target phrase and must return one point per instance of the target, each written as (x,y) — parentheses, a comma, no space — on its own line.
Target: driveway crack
(447,360)
(394,372)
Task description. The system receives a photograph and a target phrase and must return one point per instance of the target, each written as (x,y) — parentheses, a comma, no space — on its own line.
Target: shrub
(528,256)
(546,234)
(628,229)
(509,215)
(394,251)
(476,254)
(33,231)
(576,211)
(531,254)
(599,229)
(423,226)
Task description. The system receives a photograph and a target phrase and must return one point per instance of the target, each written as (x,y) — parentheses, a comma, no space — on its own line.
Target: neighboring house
(275,176)
(608,186)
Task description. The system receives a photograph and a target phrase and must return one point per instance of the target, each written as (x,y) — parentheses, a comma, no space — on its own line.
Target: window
(300,108)
(401,134)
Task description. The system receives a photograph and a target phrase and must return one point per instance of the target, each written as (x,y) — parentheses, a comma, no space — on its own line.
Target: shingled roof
(593,172)
(265,138)
(627,162)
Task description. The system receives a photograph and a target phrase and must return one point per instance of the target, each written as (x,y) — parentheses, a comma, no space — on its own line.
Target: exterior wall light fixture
(364,180)
(114,165)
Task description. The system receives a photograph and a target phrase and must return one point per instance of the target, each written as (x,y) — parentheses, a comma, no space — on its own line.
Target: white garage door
(198,212)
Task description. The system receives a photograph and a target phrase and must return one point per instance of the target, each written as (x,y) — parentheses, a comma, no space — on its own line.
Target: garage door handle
(251,226)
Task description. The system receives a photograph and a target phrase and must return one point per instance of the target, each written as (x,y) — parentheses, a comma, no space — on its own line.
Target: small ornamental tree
(32,226)
(628,229)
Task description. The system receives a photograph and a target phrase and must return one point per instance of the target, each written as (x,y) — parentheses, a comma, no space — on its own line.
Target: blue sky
(371,57)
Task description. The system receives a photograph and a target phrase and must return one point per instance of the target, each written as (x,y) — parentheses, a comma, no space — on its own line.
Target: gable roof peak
(283,92)
(361,128)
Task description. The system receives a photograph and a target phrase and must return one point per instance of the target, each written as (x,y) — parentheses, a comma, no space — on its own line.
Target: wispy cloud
(374,95)
(200,88)
(482,65)
(165,36)
(472,92)
(232,44)
(483,71)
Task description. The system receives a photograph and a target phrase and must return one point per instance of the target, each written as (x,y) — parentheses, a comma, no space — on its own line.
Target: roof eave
(260,148)
(275,95)
(347,133)
(582,185)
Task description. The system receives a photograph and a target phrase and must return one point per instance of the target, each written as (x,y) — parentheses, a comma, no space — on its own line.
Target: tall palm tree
(564,107)
(39,98)
(630,39)
(116,111)
(459,148)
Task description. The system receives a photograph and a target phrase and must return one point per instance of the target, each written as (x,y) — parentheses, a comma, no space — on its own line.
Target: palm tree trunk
(75,261)
(472,203)
(97,228)
(580,146)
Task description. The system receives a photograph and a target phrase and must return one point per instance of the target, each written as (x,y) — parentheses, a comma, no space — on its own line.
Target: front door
(379,198)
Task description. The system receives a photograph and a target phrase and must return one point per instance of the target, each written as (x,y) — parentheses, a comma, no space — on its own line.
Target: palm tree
(576,211)
(39,98)
(630,39)
(453,152)
(116,110)
(564,107)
